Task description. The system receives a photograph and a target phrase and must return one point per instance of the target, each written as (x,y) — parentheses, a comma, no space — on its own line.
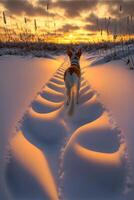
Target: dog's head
(74,54)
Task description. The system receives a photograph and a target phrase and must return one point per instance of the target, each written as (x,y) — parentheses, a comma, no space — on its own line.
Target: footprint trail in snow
(55,156)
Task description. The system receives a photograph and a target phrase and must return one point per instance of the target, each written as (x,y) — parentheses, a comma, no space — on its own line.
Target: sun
(70,36)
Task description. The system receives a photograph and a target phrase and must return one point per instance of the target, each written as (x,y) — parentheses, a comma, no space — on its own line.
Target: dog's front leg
(78,89)
(77,96)
(68,97)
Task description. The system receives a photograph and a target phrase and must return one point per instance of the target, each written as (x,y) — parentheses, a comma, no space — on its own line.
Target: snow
(114,83)
(20,80)
(55,156)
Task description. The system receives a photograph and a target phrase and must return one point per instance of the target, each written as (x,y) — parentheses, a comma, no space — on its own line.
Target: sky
(69,20)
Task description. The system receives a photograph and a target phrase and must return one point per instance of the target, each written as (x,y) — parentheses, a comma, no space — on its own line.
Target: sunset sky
(68,20)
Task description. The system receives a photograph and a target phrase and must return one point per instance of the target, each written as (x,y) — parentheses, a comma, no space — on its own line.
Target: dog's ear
(79,52)
(69,52)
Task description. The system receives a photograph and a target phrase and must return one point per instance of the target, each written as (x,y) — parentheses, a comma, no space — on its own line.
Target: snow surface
(20,79)
(55,156)
(114,83)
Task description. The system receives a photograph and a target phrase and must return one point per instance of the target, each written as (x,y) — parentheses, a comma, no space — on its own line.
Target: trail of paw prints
(40,126)
(47,127)
(87,111)
(44,114)
(93,140)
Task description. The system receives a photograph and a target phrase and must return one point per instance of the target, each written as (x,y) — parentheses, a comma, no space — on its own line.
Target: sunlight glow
(55,27)
(35,162)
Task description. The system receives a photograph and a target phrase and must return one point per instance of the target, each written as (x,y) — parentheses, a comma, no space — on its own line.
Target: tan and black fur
(72,78)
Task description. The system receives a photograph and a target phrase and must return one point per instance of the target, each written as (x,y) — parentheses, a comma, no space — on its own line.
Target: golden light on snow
(34,161)
(61,154)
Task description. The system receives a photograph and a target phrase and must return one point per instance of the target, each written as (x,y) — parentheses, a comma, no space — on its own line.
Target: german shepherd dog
(72,78)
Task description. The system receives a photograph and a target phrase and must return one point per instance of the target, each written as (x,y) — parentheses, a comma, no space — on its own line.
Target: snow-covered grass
(119,52)
(21,52)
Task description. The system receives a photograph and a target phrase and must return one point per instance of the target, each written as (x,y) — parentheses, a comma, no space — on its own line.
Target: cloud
(68,28)
(18,7)
(127,8)
(92,18)
(116,25)
(94,23)
(73,8)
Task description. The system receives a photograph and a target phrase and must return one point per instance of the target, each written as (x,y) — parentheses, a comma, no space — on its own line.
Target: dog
(72,77)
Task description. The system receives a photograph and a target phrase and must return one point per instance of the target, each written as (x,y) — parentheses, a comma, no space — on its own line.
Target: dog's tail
(72,101)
